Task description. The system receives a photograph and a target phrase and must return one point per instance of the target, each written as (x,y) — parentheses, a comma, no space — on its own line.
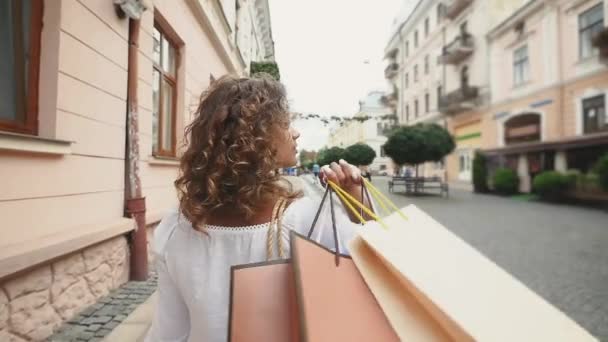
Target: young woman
(227,189)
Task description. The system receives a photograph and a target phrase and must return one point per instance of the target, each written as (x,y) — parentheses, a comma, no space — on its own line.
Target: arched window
(523,128)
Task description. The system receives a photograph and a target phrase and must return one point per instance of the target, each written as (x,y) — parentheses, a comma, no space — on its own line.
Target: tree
(359,154)
(270,68)
(439,143)
(327,156)
(418,144)
(307,157)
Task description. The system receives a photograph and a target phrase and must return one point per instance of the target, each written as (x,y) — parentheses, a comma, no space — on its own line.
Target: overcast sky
(321,48)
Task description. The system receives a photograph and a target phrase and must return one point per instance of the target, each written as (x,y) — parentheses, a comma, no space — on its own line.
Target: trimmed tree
(359,154)
(418,144)
(328,156)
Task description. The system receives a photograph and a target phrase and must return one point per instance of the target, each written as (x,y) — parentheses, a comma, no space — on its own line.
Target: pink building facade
(549,89)
(64,239)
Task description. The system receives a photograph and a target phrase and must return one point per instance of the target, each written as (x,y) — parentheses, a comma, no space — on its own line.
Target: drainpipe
(135,203)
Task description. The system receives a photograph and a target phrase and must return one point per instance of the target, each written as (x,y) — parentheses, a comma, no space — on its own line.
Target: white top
(194,268)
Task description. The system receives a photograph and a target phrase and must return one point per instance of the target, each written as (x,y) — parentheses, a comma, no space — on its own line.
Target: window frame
(519,64)
(427,67)
(416,109)
(440,12)
(167,32)
(416,39)
(407,80)
(427,103)
(439,93)
(585,106)
(589,27)
(26,118)
(407,113)
(415,73)
(427,26)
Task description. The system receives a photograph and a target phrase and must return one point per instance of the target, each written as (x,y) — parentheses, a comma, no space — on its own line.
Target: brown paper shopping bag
(262,295)
(427,279)
(263,304)
(333,300)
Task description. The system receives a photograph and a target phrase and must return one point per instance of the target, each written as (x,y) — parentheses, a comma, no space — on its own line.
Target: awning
(562,144)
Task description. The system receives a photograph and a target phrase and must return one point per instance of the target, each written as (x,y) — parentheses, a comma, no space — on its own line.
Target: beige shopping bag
(433,286)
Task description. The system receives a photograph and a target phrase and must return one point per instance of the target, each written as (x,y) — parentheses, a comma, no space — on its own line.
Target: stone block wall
(35,303)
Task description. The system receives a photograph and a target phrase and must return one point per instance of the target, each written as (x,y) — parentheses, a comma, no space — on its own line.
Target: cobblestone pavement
(559,251)
(98,320)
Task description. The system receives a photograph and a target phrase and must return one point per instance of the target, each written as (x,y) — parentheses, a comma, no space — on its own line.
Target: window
(426,65)
(594,114)
(426,27)
(164,93)
(407,80)
(521,65)
(426,102)
(20,26)
(440,11)
(416,39)
(407,113)
(590,23)
(416,108)
(464,77)
(439,93)
(407,49)
(416,73)
(463,28)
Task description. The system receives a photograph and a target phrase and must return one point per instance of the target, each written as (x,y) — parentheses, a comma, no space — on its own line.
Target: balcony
(459,100)
(454,7)
(391,100)
(458,49)
(391,70)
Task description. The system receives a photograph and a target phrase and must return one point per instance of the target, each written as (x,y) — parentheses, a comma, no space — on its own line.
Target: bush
(552,185)
(480,173)
(601,168)
(506,181)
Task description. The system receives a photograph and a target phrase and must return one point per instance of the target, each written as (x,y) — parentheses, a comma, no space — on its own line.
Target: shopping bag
(333,300)
(263,305)
(262,295)
(426,279)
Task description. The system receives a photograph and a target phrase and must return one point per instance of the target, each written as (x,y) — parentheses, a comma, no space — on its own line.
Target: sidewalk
(136,325)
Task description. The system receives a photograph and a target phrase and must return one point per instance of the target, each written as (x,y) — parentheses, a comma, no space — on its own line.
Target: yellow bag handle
(349,201)
(382,199)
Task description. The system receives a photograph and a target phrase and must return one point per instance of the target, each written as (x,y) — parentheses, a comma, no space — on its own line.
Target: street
(558,251)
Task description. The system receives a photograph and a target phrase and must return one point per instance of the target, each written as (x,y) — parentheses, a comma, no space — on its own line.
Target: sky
(330,54)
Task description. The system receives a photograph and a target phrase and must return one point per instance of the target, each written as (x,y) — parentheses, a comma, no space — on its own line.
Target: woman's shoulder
(166,230)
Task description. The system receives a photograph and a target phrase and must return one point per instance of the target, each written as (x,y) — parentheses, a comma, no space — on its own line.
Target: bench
(418,184)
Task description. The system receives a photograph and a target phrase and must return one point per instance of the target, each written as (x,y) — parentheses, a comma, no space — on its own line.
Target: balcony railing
(458,49)
(459,100)
(454,7)
(391,70)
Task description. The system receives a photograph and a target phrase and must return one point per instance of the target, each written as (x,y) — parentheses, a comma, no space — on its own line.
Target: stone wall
(33,304)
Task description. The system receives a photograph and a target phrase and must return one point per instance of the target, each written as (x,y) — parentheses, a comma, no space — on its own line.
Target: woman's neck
(227,217)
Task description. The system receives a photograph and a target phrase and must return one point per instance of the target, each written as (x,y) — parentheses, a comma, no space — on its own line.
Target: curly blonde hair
(230,157)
